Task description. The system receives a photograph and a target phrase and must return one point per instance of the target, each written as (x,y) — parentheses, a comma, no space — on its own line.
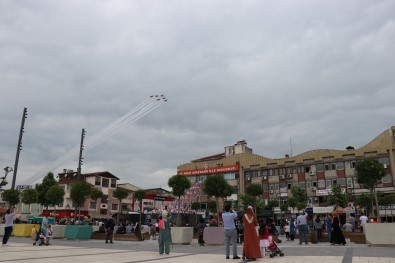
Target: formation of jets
(159,97)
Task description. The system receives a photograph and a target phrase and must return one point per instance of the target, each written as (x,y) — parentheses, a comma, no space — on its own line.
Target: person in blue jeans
(302,226)
(229,218)
(328,222)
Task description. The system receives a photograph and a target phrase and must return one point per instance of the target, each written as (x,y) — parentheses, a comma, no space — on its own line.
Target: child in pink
(263,238)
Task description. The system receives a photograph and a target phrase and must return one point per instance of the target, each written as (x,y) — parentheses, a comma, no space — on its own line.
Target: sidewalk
(70,251)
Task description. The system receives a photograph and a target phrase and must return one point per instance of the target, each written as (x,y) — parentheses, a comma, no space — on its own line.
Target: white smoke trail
(132,116)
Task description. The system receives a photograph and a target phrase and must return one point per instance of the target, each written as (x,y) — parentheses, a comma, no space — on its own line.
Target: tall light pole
(80,157)
(19,148)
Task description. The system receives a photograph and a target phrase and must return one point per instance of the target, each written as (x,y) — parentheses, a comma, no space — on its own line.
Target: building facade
(315,170)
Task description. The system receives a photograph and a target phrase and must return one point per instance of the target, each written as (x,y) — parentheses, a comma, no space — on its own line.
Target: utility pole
(19,148)
(80,158)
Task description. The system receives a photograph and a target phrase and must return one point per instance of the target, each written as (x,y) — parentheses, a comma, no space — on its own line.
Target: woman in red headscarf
(251,248)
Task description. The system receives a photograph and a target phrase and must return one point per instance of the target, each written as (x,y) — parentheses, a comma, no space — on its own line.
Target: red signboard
(211,170)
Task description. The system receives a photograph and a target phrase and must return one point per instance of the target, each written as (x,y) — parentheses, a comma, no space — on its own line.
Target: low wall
(1,229)
(181,235)
(214,235)
(23,230)
(78,231)
(58,231)
(382,234)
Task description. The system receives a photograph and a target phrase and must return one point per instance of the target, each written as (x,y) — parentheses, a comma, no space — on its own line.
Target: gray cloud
(318,72)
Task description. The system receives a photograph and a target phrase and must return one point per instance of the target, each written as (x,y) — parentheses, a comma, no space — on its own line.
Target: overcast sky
(321,73)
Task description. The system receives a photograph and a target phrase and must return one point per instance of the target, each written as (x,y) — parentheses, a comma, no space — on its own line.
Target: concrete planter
(58,231)
(182,235)
(1,229)
(214,235)
(78,232)
(23,230)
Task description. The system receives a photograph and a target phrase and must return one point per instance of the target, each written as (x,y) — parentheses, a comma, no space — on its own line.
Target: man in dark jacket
(109,225)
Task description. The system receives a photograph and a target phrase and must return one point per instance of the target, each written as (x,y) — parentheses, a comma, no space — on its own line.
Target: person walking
(200,227)
(251,248)
(318,227)
(292,229)
(337,236)
(228,219)
(328,223)
(44,228)
(351,219)
(302,227)
(8,224)
(164,238)
(109,225)
(263,238)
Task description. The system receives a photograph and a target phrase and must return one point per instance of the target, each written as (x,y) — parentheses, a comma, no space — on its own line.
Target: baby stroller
(274,250)
(38,236)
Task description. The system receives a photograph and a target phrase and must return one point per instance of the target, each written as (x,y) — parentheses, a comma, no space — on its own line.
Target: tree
(212,206)
(195,206)
(292,202)
(55,195)
(78,193)
(272,203)
(247,200)
(29,197)
(179,184)
(337,197)
(47,182)
(11,196)
(369,172)
(139,195)
(365,201)
(256,191)
(217,186)
(120,194)
(95,194)
(300,195)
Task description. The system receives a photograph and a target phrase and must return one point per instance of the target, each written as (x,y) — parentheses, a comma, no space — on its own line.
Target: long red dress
(251,247)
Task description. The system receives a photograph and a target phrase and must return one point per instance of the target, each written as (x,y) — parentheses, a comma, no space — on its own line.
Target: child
(49,234)
(153,232)
(286,230)
(264,238)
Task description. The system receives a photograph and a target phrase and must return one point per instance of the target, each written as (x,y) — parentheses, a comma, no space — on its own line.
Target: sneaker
(227,257)
(236,257)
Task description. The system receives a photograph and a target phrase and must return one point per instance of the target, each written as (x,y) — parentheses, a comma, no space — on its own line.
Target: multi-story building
(315,170)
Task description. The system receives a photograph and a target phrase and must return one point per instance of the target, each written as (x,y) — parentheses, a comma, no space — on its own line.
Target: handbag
(160,224)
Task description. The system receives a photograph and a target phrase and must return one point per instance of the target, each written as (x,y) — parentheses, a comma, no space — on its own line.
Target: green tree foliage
(195,206)
(256,191)
(79,192)
(217,186)
(369,172)
(337,197)
(29,197)
(284,207)
(95,194)
(300,195)
(365,201)
(139,195)
(120,194)
(273,203)
(47,182)
(55,196)
(11,196)
(247,200)
(387,199)
(179,183)
(292,202)
(212,206)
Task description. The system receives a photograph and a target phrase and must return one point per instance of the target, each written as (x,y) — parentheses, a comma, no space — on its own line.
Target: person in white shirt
(363,219)
(9,224)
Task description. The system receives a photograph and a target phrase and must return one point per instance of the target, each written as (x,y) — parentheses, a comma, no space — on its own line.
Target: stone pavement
(75,251)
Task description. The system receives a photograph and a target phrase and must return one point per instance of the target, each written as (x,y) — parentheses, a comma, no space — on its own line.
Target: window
(229,176)
(387,178)
(114,207)
(247,175)
(97,180)
(114,183)
(320,167)
(265,187)
(277,187)
(321,184)
(235,189)
(307,169)
(333,166)
(326,167)
(271,187)
(340,165)
(256,173)
(300,169)
(384,160)
(328,183)
(92,205)
(289,186)
(308,184)
(192,179)
(302,185)
(105,182)
(334,181)
(342,181)
(314,183)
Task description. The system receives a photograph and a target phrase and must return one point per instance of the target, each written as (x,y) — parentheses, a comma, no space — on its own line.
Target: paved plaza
(73,251)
